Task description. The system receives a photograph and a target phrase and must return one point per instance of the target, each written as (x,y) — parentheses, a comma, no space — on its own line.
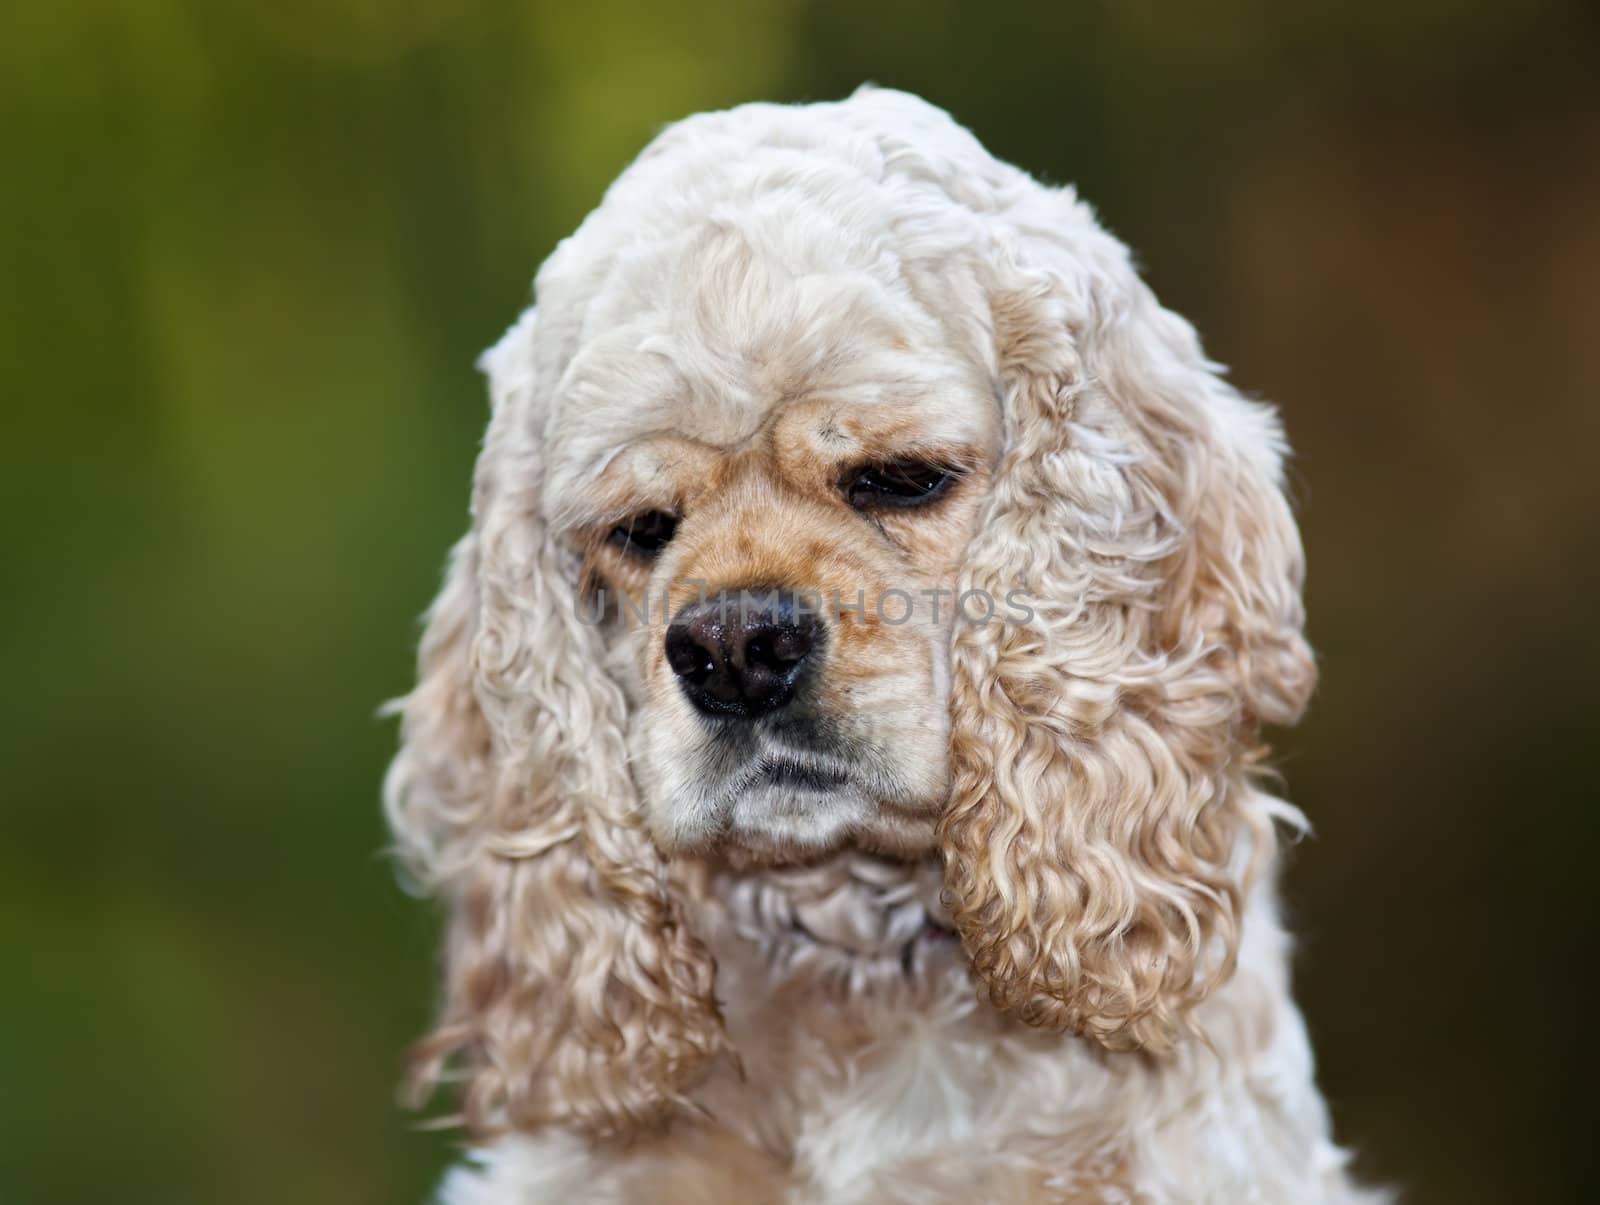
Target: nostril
(689,658)
(778,648)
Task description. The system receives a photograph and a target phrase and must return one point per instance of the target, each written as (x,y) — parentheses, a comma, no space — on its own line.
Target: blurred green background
(249,255)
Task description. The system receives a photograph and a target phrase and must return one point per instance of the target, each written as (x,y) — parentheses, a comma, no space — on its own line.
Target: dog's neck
(853,908)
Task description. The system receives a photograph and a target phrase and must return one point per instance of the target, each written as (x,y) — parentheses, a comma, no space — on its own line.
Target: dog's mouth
(780,795)
(796,759)
(784,801)
(786,772)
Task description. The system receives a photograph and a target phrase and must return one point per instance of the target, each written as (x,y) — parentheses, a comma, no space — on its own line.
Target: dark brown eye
(645,535)
(898,483)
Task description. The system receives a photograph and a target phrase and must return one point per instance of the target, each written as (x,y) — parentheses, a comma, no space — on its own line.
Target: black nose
(741,652)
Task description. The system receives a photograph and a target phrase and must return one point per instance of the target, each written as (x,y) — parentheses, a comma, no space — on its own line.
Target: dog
(838,738)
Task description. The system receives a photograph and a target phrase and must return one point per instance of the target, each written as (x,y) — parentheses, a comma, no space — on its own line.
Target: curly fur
(1101,760)
(512,796)
(659,989)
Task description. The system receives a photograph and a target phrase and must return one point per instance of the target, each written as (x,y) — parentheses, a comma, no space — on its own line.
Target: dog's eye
(898,483)
(645,535)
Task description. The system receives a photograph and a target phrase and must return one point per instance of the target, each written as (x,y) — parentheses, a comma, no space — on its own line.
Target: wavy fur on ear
(574,993)
(1102,827)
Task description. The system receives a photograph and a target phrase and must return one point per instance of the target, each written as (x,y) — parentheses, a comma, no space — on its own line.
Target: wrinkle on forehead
(707,336)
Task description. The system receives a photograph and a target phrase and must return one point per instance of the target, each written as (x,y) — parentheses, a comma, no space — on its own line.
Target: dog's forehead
(711,335)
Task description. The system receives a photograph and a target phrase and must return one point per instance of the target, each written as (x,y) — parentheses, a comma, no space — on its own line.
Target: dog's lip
(783,771)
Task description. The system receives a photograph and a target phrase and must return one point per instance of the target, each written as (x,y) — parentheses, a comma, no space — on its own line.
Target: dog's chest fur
(862,1043)
(868,1072)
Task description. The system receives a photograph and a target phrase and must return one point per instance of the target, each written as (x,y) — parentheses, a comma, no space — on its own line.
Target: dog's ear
(574,993)
(1103,828)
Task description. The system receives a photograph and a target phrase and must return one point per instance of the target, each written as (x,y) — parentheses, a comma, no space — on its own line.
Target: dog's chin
(790,819)
(785,818)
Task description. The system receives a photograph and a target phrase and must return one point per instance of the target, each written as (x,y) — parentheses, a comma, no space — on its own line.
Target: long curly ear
(1103,827)
(574,992)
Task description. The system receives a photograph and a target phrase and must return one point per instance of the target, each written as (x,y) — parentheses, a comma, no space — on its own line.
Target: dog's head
(847,488)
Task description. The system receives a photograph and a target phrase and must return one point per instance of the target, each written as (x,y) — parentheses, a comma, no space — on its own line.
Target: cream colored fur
(1031,951)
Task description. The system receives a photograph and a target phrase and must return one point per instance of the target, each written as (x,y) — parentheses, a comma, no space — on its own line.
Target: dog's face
(807,384)
(773,521)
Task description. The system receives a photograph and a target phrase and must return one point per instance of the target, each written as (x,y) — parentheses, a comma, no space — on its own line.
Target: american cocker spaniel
(838,738)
